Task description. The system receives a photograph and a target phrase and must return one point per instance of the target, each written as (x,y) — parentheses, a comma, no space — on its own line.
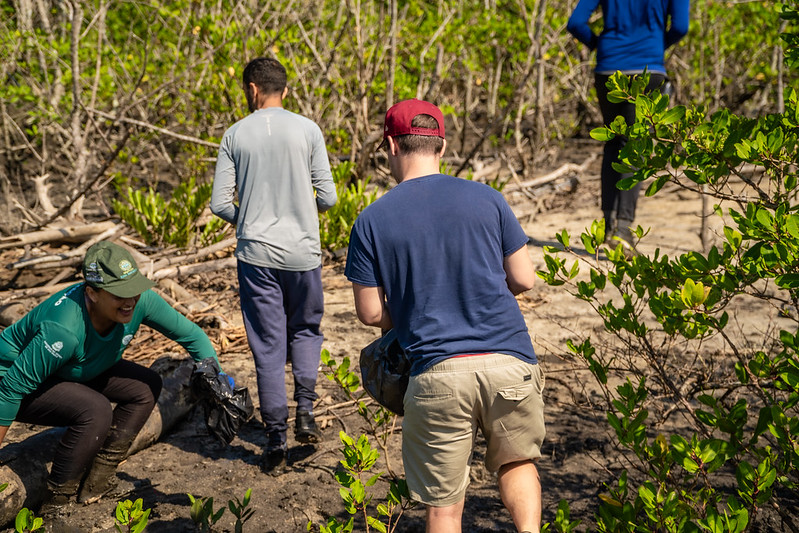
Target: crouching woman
(62,365)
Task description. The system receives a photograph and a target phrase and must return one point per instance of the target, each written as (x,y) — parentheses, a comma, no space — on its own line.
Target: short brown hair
(421,144)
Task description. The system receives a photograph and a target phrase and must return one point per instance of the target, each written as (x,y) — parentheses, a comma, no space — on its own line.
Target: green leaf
(674,114)
(765,218)
(792,226)
(787,281)
(657,184)
(22,520)
(588,244)
(733,237)
(625,184)
(693,294)
(602,134)
(377,524)
(563,238)
(696,176)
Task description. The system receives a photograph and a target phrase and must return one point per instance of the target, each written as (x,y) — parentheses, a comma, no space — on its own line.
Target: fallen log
(33,292)
(164,273)
(182,295)
(63,274)
(65,259)
(24,465)
(67,233)
(11,312)
(482,171)
(179,307)
(196,268)
(192,258)
(565,169)
(174,403)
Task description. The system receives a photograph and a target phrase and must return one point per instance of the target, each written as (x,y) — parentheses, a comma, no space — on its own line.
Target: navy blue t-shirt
(436,245)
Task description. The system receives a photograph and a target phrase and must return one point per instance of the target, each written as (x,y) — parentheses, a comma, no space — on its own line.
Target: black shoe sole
(276,471)
(308,438)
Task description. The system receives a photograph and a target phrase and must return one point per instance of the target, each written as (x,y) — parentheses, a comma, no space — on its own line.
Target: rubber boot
(54,511)
(306,430)
(101,478)
(274,461)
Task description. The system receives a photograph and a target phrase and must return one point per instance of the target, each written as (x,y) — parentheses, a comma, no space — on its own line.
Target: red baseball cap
(400,116)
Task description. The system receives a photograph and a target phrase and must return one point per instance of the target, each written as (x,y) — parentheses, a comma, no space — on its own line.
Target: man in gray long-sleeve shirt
(277,161)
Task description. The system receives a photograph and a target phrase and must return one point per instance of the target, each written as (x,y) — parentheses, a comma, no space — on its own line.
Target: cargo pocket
(516,393)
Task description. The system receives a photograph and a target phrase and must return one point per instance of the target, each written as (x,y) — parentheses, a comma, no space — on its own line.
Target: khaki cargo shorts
(446,404)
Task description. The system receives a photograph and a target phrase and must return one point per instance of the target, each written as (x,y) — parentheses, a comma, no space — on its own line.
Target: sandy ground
(578,454)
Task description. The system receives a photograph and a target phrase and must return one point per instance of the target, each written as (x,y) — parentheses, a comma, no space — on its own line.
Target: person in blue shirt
(634,38)
(440,259)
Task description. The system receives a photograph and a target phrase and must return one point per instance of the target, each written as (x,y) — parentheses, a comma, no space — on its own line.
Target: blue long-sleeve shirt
(635,34)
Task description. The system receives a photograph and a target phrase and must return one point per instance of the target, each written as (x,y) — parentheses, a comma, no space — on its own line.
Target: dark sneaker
(305,430)
(274,461)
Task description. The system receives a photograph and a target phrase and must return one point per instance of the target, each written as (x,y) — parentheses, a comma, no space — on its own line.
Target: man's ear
(285,93)
(393,147)
(443,149)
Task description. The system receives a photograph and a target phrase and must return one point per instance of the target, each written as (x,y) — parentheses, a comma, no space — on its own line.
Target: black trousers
(623,202)
(86,410)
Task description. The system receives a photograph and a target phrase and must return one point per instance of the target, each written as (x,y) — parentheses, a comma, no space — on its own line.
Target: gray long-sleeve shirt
(277,162)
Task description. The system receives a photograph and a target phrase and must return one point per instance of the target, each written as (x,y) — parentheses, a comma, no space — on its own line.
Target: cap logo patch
(126,268)
(94,277)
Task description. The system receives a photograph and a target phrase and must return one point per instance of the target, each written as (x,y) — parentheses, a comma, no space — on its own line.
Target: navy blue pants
(282,312)
(623,202)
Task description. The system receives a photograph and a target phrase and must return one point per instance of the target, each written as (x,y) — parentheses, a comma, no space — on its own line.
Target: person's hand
(229,379)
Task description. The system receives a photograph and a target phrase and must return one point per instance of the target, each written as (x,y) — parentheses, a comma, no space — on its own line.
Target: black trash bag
(385,371)
(226,406)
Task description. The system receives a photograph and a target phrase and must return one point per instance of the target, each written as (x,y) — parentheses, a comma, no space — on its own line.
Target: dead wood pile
(39,264)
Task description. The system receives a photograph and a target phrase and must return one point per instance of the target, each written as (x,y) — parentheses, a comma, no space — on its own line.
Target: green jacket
(57,338)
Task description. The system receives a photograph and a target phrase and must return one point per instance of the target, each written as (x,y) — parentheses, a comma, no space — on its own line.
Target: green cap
(110,267)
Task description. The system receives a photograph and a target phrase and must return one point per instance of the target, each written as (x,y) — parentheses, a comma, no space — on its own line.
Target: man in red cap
(439,259)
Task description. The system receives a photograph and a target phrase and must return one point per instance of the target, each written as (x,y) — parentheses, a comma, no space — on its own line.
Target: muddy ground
(578,453)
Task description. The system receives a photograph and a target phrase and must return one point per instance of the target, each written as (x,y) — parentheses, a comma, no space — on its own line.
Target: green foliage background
(706,410)
(160,82)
